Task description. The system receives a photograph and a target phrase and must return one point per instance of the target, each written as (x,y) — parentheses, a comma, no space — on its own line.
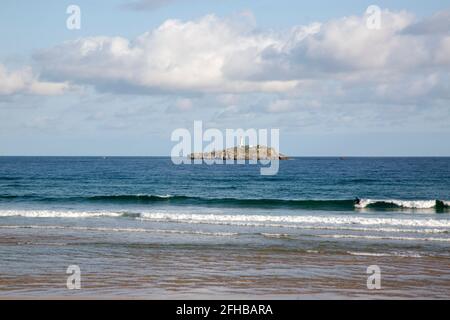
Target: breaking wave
(411,204)
(325,205)
(240,219)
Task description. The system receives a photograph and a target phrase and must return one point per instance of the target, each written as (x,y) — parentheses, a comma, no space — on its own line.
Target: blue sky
(136,70)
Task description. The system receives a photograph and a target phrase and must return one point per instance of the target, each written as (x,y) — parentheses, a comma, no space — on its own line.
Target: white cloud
(436,24)
(340,59)
(346,47)
(442,55)
(24,81)
(177,56)
(279,106)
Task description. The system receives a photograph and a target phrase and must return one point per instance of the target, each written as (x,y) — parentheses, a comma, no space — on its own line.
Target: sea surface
(143,227)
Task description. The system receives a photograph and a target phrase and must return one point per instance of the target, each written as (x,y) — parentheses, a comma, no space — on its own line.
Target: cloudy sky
(138,69)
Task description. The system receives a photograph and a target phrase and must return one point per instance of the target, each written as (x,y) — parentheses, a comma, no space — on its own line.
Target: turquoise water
(147,227)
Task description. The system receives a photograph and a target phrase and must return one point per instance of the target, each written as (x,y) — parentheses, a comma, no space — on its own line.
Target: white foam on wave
(375,229)
(166,196)
(368,237)
(276,235)
(105,229)
(411,204)
(325,227)
(58,214)
(260,220)
(331,220)
(381,254)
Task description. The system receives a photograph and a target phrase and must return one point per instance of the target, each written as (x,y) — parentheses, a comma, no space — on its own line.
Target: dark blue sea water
(144,226)
(57,181)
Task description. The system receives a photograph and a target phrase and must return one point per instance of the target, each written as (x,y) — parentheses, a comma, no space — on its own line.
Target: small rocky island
(258,152)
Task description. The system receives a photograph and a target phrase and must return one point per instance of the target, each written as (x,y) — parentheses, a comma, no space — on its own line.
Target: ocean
(142,227)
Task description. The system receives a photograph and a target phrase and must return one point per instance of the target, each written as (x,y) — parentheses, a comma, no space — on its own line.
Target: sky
(136,70)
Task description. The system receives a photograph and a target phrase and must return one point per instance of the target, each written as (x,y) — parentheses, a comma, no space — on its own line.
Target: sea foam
(332,220)
(58,214)
(245,219)
(412,204)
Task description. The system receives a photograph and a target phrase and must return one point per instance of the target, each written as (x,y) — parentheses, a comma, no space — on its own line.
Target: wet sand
(174,271)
